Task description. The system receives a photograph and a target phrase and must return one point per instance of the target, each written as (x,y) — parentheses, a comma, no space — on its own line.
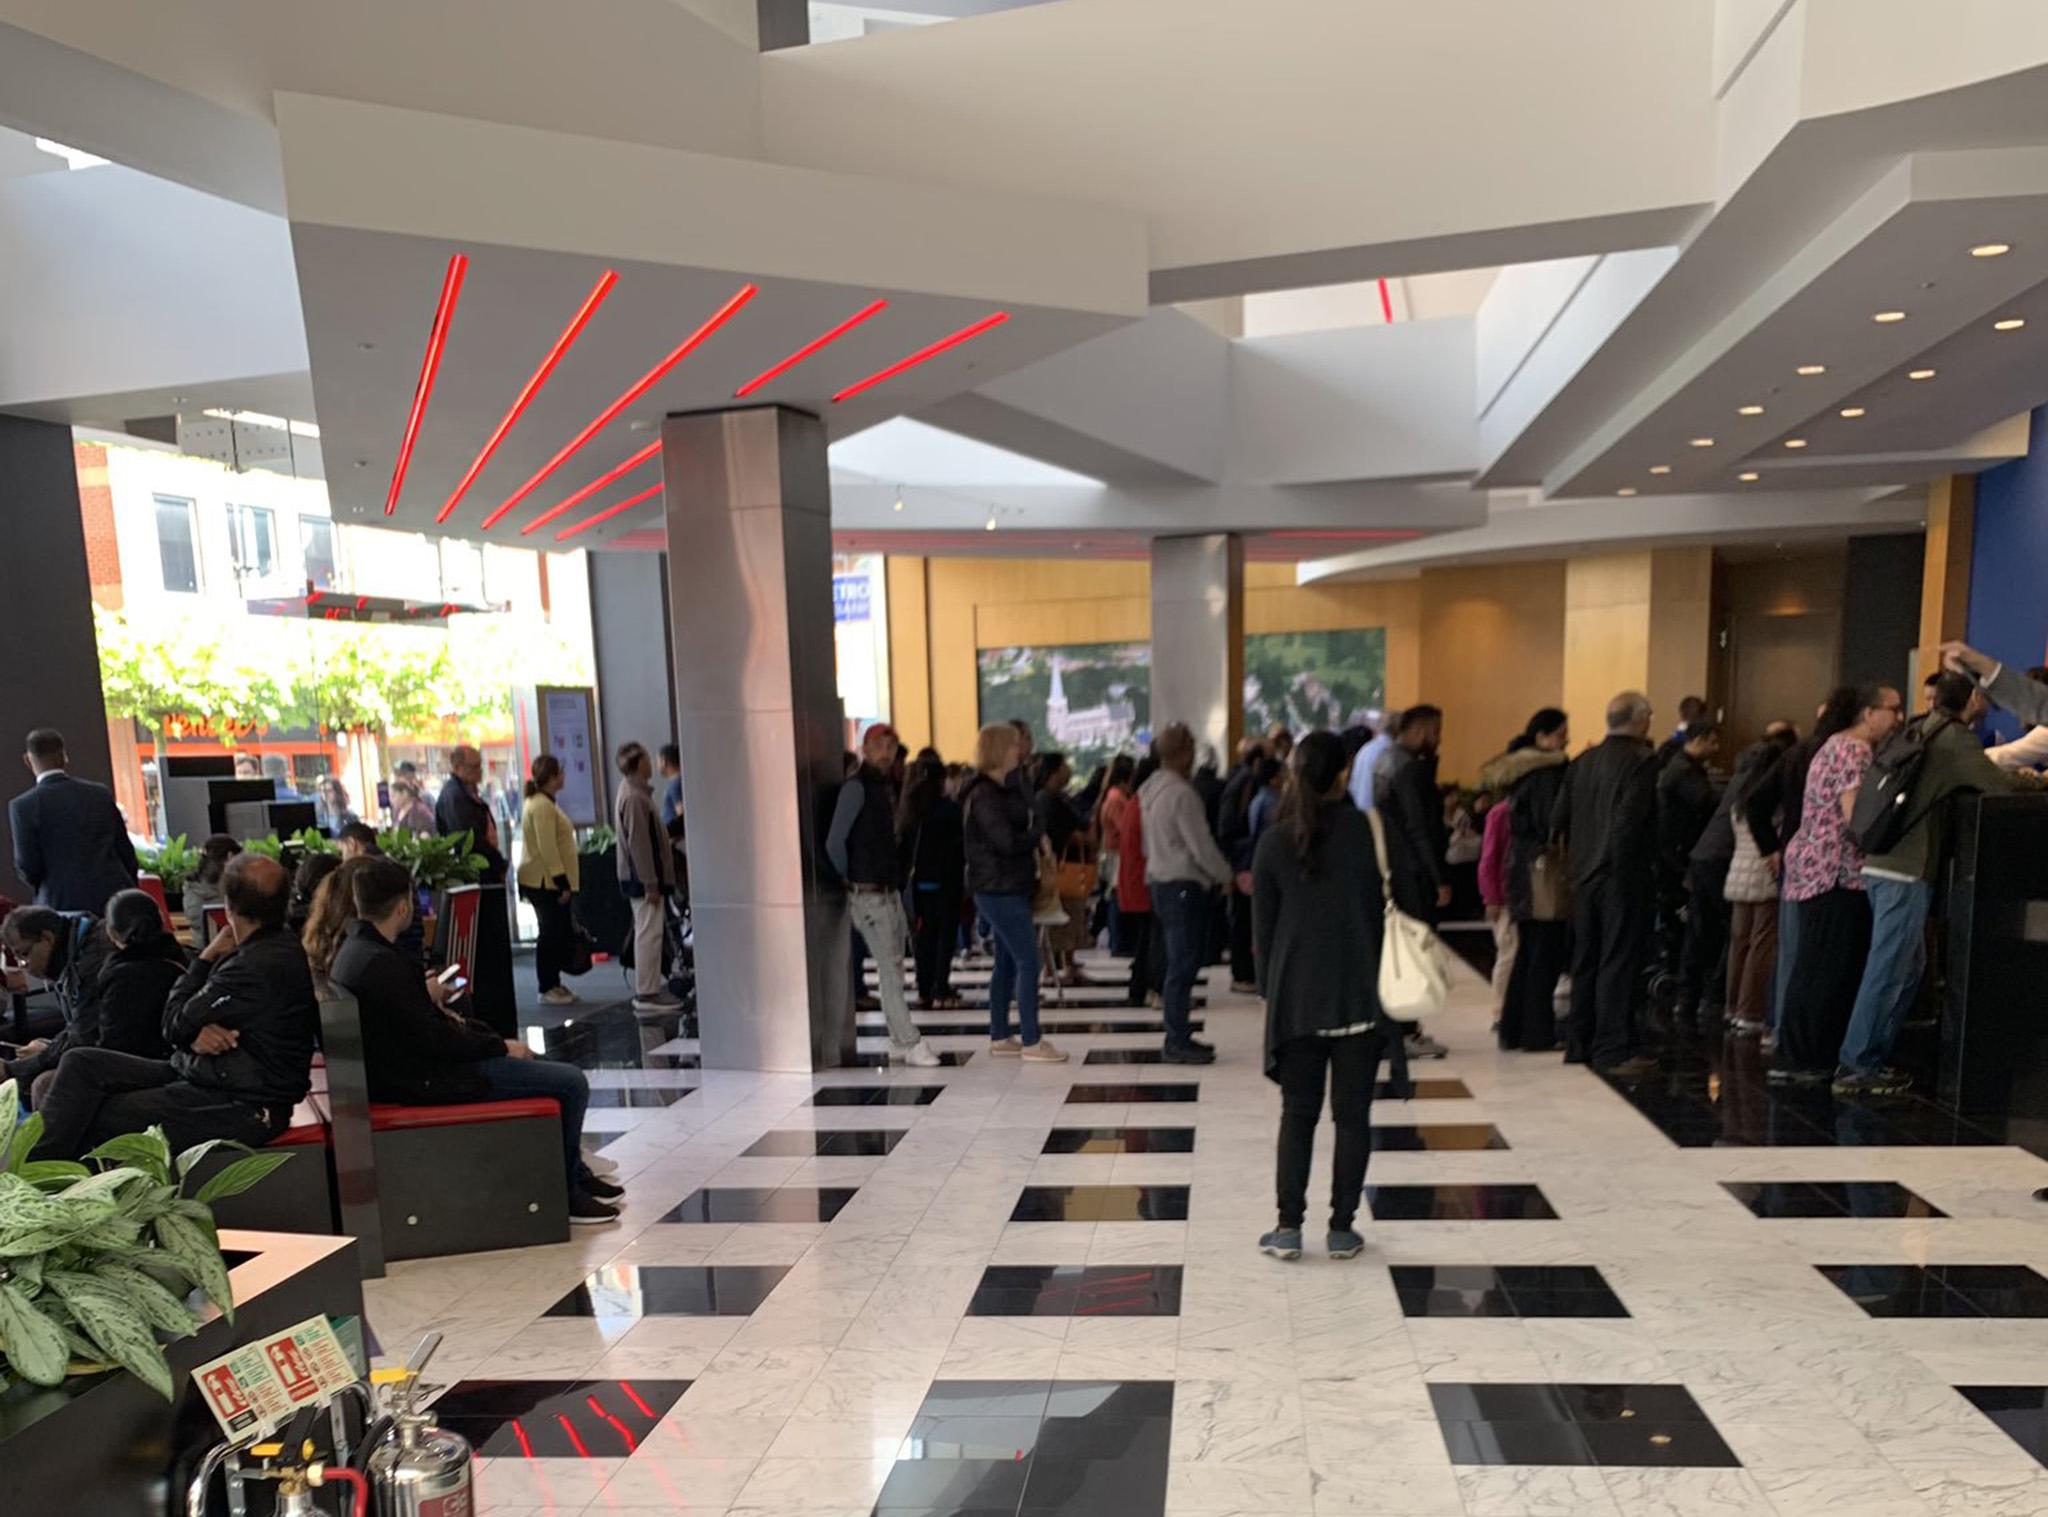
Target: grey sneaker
(1343,1243)
(1282,1243)
(1872,1082)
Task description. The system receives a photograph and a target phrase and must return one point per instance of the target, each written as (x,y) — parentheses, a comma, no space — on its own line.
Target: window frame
(158,501)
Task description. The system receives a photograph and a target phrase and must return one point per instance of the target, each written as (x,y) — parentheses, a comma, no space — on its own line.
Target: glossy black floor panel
(1120,1140)
(1507,1290)
(1457,1203)
(1941,1290)
(810,1142)
(877,1095)
(1101,1203)
(871,1026)
(1093,1290)
(1830,1198)
(1124,1094)
(791,1203)
(1554,1424)
(627,1291)
(1427,1090)
(1437,1137)
(2021,1410)
(557,1419)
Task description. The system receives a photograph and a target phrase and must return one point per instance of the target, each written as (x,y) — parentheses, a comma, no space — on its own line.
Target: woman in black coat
(137,977)
(934,852)
(1317,921)
(1531,779)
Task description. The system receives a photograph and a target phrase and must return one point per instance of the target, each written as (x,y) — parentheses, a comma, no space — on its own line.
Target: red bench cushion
(389,1117)
(306,1135)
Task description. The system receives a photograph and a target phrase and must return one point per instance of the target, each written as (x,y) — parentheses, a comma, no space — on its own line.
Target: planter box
(109,1445)
(601,906)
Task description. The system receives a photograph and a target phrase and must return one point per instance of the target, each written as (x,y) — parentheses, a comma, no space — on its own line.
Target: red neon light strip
(647,382)
(1386,303)
(575,1439)
(634,1397)
(632,1443)
(562,345)
(874,309)
(525,1443)
(923,355)
(591,489)
(430,365)
(314,598)
(608,513)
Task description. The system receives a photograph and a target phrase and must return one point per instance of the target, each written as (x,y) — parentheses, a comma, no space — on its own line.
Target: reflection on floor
(990,1288)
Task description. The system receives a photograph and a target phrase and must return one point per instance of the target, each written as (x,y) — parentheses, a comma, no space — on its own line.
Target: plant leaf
(10,1107)
(116,1325)
(151,1298)
(27,1272)
(147,1152)
(242,1174)
(26,1137)
(198,1151)
(35,1344)
(106,1182)
(193,1249)
(49,1174)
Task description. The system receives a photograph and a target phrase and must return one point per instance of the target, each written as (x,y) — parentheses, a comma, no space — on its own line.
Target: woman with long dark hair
(929,835)
(1134,896)
(1317,918)
(548,877)
(1529,779)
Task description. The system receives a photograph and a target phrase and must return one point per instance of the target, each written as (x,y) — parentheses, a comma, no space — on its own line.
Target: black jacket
(264,991)
(413,1051)
(1058,818)
(83,949)
(935,849)
(1001,838)
(134,987)
(1776,804)
(871,857)
(1412,813)
(1532,803)
(457,810)
(70,843)
(1607,813)
(1316,938)
(1234,815)
(1685,809)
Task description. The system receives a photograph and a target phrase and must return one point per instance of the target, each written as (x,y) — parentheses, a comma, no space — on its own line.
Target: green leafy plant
(313,840)
(434,862)
(271,847)
(173,863)
(97,1266)
(597,840)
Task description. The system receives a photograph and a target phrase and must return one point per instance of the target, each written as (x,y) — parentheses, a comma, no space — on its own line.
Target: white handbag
(1415,968)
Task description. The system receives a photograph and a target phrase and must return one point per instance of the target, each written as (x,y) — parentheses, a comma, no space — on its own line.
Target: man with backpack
(1901,820)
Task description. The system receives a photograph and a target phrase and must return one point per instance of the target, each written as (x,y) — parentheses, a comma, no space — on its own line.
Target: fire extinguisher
(415,1467)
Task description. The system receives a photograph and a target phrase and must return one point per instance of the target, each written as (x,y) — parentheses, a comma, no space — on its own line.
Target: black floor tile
(1541,1303)
(986,1398)
(950,1484)
(671,1290)
(1612,1425)
(641,1096)
(1945,1290)
(1439,1137)
(1452,1203)
(2022,1410)
(1121,1400)
(1469,1290)
(1444,1301)
(1627,1403)
(947,1436)
(1120,1140)
(1516,1443)
(1120,1094)
(1125,1056)
(1095,1290)
(557,1419)
(1101,1203)
(877,1095)
(1428,1090)
(1087,1467)
(869,1143)
(1641,1441)
(1830,1198)
(792,1203)
(1497,1401)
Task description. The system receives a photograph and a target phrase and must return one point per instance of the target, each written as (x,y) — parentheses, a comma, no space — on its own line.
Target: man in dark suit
(461,808)
(70,842)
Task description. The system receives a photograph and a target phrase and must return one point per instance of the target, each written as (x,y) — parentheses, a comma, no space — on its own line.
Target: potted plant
(98,1261)
(173,863)
(435,862)
(601,906)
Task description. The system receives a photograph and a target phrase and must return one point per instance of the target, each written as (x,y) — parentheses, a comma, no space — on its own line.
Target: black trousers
(99,1094)
(557,938)
(1148,956)
(934,930)
(1833,939)
(1528,1016)
(1611,921)
(1703,968)
(1350,1066)
(1242,970)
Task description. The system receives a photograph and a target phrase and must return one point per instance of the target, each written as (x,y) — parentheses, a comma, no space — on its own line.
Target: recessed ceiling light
(1749,410)
(1850,413)
(1626,490)
(1660,468)
(1795,442)
(2010,324)
(1921,374)
(1991,250)
(1808,370)
(1750,477)
(899,503)
(1703,442)
(1886,318)
(989,525)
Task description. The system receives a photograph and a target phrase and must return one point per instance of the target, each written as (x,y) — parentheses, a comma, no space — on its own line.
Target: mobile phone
(450,975)
(456,986)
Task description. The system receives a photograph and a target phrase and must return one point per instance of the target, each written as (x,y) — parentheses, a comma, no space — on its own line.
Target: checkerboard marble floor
(920,1351)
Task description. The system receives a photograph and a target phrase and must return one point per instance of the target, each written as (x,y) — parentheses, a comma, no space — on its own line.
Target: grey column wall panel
(750,594)
(1198,636)
(45,605)
(630,639)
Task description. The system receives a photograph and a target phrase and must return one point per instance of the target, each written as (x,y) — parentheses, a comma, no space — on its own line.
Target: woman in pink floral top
(1824,886)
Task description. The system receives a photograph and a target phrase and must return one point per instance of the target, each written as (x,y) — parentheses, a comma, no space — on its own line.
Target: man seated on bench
(241,1023)
(419,1050)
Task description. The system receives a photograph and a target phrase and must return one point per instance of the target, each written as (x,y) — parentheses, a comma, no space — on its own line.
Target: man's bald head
(257,890)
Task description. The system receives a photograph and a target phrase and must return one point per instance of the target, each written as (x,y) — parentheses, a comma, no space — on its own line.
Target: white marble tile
(1358,1489)
(655,1479)
(1868,1492)
(1534,1490)
(1690,1493)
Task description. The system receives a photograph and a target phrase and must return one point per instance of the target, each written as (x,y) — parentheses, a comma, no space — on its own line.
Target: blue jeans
(1009,922)
(1180,908)
(509,1079)
(1788,955)
(1891,975)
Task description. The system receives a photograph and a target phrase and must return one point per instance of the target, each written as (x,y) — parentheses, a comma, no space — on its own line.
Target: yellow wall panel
(1492,652)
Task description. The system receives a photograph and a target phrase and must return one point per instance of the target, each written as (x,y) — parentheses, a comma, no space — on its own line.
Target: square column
(757,717)
(1198,637)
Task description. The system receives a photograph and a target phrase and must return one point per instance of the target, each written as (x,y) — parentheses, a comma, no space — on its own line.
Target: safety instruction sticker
(257,1387)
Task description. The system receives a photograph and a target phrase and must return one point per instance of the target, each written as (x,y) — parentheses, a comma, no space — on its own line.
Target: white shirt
(1362,768)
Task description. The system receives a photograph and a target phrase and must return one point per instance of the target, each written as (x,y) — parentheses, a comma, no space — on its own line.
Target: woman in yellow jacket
(548,876)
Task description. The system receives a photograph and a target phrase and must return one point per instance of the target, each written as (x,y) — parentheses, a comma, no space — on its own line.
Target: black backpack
(1888,803)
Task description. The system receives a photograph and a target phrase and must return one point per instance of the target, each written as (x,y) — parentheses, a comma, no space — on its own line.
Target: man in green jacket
(1900,885)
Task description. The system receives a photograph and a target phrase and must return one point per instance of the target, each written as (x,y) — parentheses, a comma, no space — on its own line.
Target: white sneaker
(920,1055)
(561,995)
(1043,1052)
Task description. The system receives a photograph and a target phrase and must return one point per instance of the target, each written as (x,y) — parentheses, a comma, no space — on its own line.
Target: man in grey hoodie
(1182,865)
